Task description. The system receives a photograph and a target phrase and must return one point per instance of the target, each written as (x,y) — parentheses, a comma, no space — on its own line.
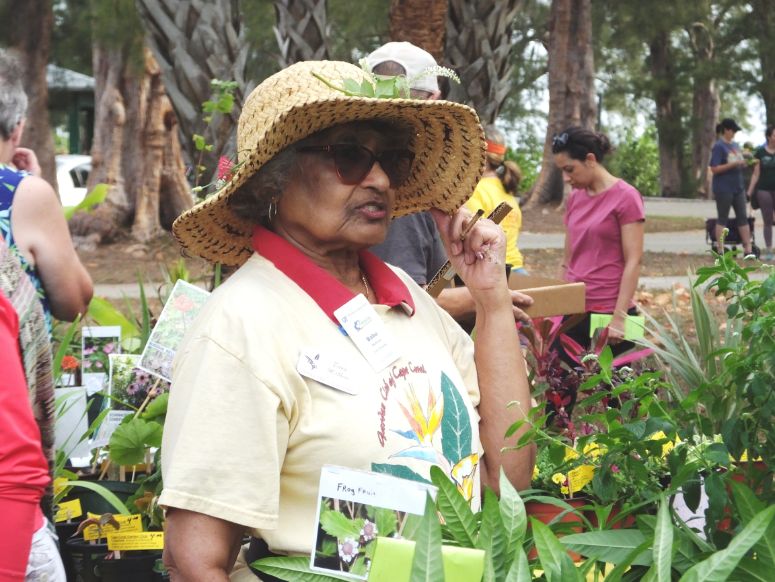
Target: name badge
(325,369)
(367,331)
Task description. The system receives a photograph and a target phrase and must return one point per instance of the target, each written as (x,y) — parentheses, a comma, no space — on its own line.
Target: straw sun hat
(447,140)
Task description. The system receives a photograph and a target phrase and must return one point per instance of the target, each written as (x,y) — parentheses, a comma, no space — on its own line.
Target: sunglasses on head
(354,162)
(558,141)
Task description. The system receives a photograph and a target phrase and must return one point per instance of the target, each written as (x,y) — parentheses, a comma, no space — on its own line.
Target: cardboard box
(550,296)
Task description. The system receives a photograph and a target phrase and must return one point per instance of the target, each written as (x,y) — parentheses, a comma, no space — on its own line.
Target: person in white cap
(412,241)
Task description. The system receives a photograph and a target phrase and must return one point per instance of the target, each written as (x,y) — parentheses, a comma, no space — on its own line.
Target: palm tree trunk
(421,22)
(194,42)
(668,119)
(301,30)
(763,23)
(478,48)
(705,105)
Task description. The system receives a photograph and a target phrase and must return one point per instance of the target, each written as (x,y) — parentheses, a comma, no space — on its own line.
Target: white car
(72,175)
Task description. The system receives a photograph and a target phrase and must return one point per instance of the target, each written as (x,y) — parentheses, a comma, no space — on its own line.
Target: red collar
(323,287)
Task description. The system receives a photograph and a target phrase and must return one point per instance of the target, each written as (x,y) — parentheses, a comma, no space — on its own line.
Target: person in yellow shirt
(500,183)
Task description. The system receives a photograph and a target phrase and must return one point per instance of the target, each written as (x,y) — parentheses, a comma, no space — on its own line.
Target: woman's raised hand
(479,258)
(25,159)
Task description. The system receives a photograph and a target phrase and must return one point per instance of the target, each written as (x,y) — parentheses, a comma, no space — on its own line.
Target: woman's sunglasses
(559,142)
(354,162)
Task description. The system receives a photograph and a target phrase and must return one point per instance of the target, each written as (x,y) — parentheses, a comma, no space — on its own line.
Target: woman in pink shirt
(604,222)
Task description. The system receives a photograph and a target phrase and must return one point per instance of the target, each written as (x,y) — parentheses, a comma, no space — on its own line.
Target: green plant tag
(393,562)
(633,325)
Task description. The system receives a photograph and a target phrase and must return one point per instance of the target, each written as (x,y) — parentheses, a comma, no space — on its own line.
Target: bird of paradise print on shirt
(439,433)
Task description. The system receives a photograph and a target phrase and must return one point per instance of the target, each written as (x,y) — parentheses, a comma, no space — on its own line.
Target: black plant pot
(64,531)
(84,560)
(94,502)
(135,567)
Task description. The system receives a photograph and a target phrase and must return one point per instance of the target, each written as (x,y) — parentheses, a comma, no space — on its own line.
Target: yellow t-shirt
(246,434)
(488,194)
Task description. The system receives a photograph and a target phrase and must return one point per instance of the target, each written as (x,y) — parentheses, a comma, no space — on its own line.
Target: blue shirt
(9,182)
(730,181)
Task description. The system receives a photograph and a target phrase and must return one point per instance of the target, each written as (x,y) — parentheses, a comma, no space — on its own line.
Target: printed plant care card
(71,422)
(130,385)
(109,424)
(180,311)
(354,507)
(97,343)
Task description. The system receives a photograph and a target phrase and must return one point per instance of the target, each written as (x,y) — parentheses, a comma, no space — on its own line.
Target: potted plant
(96,560)
(720,387)
(610,447)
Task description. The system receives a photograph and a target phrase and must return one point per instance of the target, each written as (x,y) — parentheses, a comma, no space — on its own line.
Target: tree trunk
(136,150)
(668,118)
(478,48)
(572,98)
(174,188)
(30,25)
(194,42)
(301,30)
(421,22)
(164,176)
(110,119)
(705,106)
(763,23)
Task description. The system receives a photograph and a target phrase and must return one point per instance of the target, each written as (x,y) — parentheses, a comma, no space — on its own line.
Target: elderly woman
(254,412)
(31,218)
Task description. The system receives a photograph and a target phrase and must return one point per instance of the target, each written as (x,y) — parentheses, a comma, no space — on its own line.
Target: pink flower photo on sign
(180,311)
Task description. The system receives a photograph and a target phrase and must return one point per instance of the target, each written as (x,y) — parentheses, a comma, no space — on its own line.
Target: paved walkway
(692,242)
(680,207)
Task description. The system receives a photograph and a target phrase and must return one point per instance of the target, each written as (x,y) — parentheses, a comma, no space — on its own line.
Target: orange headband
(495,148)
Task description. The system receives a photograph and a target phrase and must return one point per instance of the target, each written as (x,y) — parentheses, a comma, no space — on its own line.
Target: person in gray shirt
(412,241)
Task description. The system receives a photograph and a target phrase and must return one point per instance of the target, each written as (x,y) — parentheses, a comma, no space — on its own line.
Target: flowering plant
(601,430)
(568,478)
(69,364)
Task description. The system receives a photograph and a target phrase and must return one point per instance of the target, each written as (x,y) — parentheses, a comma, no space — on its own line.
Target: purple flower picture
(130,385)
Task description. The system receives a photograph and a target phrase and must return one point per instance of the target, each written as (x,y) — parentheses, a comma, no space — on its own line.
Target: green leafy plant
(636,160)
(220,103)
(97,196)
(721,385)
(660,547)
(609,447)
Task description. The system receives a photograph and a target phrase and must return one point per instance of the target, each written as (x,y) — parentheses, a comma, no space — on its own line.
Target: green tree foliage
(529,57)
(629,44)
(636,160)
(72,38)
(357,28)
(527,154)
(625,33)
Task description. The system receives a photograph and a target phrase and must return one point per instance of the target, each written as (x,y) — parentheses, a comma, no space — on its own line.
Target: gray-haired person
(31,218)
